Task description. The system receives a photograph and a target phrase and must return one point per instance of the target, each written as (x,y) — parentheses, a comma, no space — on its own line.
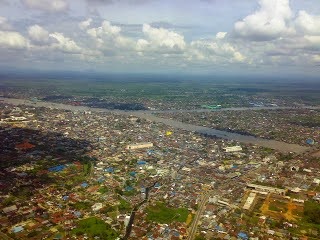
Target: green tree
(312,212)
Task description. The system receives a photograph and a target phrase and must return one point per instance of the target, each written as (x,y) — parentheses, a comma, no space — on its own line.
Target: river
(277,145)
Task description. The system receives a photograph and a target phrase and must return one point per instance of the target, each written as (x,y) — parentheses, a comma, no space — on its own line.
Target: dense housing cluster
(300,126)
(82,174)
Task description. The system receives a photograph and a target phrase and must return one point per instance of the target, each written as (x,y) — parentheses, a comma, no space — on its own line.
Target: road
(273,144)
(195,222)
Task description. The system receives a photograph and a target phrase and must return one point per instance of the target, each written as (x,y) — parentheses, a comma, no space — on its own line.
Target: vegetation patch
(95,227)
(81,205)
(312,212)
(278,206)
(162,214)
(258,205)
(124,205)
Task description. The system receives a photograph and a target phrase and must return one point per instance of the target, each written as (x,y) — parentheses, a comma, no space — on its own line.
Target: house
(10,209)
(97,206)
(232,149)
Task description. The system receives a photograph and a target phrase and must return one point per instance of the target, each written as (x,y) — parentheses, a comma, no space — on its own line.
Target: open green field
(162,214)
(93,227)
(278,206)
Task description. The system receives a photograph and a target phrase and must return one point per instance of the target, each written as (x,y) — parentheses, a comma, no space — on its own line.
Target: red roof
(24,146)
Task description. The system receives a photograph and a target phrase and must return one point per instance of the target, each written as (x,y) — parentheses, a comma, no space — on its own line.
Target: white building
(266,189)
(249,201)
(96,207)
(233,149)
(139,145)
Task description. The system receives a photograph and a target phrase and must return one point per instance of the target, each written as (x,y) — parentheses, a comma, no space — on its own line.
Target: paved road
(195,222)
(277,145)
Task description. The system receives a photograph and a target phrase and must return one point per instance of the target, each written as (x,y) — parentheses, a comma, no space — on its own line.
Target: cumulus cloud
(308,24)
(38,34)
(47,5)
(269,22)
(161,37)
(142,44)
(221,35)
(4,24)
(271,35)
(312,42)
(12,40)
(85,24)
(106,29)
(64,44)
(108,38)
(216,51)
(105,2)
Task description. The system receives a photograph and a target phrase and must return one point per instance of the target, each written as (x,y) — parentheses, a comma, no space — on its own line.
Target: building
(97,207)
(249,201)
(233,149)
(10,209)
(260,188)
(139,145)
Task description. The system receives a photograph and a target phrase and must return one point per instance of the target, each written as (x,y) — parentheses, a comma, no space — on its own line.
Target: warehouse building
(139,146)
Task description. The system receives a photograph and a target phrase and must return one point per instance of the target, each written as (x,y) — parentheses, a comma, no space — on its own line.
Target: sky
(265,37)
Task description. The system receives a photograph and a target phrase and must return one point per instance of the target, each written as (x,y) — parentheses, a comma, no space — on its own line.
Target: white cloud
(316,58)
(13,40)
(106,29)
(238,56)
(142,44)
(64,44)
(269,22)
(38,34)
(85,24)
(221,35)
(161,37)
(47,5)
(308,24)
(313,42)
(109,39)
(269,36)
(215,51)
(4,24)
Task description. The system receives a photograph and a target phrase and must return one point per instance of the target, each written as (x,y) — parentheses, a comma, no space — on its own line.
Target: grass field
(278,206)
(95,227)
(161,214)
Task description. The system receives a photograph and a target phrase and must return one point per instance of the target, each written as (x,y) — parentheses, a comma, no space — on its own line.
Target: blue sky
(266,37)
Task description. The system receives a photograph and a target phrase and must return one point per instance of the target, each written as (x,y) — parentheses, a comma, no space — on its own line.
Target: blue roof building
(77,214)
(17,229)
(109,170)
(128,188)
(57,168)
(141,162)
(84,185)
(101,180)
(310,141)
(243,236)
